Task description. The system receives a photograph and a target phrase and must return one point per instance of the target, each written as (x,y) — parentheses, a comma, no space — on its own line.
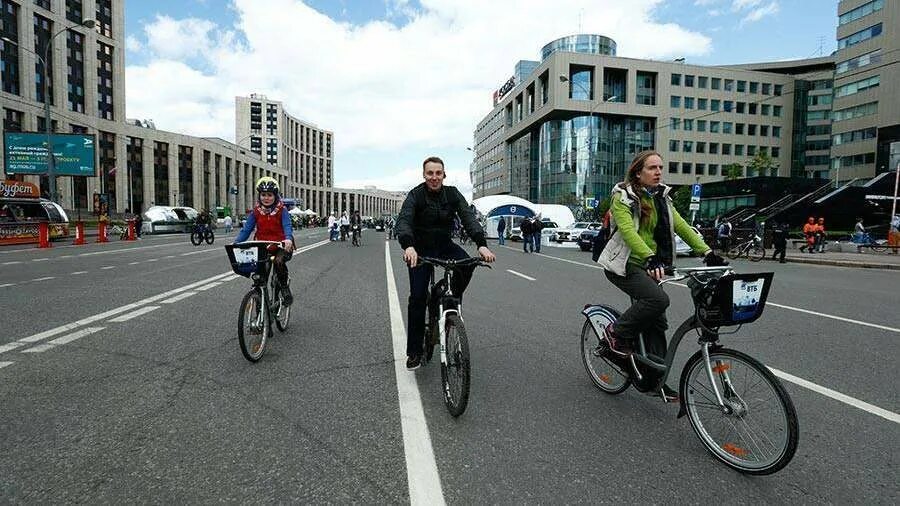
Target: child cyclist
(272,223)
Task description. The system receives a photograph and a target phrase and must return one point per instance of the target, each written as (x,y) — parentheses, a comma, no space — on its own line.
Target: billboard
(26,153)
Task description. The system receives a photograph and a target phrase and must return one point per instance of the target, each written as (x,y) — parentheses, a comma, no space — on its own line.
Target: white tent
(296,211)
(310,212)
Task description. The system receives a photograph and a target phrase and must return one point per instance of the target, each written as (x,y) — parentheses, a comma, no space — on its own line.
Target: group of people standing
(342,226)
(814,233)
(531,234)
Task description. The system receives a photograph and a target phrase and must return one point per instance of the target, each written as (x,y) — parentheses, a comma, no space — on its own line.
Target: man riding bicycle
(355,225)
(203,220)
(272,223)
(641,245)
(424,227)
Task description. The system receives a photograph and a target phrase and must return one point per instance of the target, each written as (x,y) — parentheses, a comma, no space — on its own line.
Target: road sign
(695,199)
(695,206)
(695,190)
(590,203)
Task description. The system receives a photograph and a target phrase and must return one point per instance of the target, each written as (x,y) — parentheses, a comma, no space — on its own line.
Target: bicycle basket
(733,299)
(247,259)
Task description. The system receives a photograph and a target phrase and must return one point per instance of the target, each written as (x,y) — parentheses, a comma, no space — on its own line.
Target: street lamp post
(51,162)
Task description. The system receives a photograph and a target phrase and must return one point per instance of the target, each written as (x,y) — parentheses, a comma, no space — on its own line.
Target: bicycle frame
(263,283)
(445,295)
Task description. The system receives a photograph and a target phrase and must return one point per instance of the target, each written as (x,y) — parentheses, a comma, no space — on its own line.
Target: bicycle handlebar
(452,264)
(691,272)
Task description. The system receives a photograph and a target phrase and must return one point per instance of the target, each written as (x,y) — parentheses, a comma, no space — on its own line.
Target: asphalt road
(121,381)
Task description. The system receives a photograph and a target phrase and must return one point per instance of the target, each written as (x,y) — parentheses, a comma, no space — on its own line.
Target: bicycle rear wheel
(759,432)
(756,253)
(605,374)
(210,236)
(455,376)
(253,326)
(196,238)
(734,252)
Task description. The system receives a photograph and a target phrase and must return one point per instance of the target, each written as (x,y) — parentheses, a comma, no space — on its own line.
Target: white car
(549,230)
(681,247)
(573,231)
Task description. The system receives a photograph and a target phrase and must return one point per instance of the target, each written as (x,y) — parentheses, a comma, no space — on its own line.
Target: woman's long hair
(633,179)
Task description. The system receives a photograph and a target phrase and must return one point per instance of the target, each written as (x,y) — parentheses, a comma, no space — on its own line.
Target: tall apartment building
(568,129)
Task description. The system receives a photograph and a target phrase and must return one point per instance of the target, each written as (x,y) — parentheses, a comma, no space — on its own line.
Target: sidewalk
(867,260)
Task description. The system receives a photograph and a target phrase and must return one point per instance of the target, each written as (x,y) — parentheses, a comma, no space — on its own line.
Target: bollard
(43,235)
(101,232)
(131,235)
(79,233)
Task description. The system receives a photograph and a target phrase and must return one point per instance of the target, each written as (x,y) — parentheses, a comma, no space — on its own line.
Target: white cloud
(133,44)
(760,12)
(705,2)
(412,86)
(739,5)
(714,12)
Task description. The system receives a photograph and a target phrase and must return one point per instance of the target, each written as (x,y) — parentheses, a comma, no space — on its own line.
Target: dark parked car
(586,239)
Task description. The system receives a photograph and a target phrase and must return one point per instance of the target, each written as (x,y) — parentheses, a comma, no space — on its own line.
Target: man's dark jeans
(527,242)
(536,238)
(647,313)
(418,292)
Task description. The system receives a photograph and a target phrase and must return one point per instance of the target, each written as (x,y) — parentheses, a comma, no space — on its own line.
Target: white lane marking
(4,364)
(233,276)
(44,279)
(11,263)
(39,348)
(75,335)
(107,267)
(207,287)
(169,256)
(195,252)
(179,297)
(560,259)
(40,259)
(106,252)
(421,469)
(78,272)
(133,263)
(66,256)
(846,399)
(833,317)
(4,285)
(10,346)
(514,273)
(134,314)
(112,312)
(153,260)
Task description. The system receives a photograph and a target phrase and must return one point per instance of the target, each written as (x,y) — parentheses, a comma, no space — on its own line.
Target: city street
(121,381)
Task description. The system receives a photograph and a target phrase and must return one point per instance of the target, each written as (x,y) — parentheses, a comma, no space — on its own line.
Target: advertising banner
(26,153)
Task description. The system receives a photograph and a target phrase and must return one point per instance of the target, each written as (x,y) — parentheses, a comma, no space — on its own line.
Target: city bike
(446,330)
(736,406)
(752,248)
(201,233)
(263,304)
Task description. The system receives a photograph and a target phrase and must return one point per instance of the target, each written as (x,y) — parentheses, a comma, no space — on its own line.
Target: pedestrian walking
(345,225)
(820,235)
(779,239)
(527,243)
(536,226)
(332,227)
(809,233)
(229,223)
(723,235)
(501,231)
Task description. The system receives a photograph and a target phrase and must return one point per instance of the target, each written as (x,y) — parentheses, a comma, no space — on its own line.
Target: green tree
(733,171)
(682,200)
(760,164)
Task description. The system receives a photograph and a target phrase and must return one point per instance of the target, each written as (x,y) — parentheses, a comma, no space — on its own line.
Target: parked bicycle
(865,240)
(737,407)
(263,304)
(201,233)
(445,328)
(752,248)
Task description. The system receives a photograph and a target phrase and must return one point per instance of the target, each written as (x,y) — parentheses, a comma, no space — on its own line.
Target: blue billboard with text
(26,153)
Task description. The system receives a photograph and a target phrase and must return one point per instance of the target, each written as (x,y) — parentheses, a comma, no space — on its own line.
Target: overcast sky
(400,80)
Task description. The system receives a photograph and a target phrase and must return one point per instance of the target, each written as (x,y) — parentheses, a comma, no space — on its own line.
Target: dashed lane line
(134,314)
(4,285)
(152,260)
(14,262)
(46,278)
(63,340)
(207,287)
(179,297)
(514,273)
(39,259)
(107,267)
(76,273)
(809,385)
(133,263)
(422,476)
(10,346)
(4,364)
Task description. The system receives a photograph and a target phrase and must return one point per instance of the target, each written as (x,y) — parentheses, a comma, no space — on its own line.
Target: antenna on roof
(821,44)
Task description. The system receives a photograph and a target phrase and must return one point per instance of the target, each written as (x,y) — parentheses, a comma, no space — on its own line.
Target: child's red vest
(268,225)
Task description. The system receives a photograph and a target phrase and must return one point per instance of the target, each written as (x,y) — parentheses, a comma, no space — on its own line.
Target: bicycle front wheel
(734,252)
(253,326)
(196,238)
(455,370)
(210,236)
(596,357)
(757,431)
(756,253)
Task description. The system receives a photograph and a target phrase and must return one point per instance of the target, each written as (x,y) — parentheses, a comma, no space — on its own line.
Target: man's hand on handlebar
(410,256)
(288,245)
(486,254)
(713,260)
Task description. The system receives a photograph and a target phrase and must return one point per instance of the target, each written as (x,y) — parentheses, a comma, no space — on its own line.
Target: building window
(701,147)
(778,88)
(676,79)
(776,131)
(726,127)
(686,168)
(854,136)
(688,102)
(104,17)
(713,169)
(729,85)
(701,125)
(776,111)
(763,130)
(544,79)
(646,88)
(738,150)
(44,4)
(714,127)
(860,36)
(739,129)
(856,111)
(105,107)
(714,104)
(740,107)
(860,12)
(43,28)
(75,11)
(858,62)
(728,106)
(776,152)
(75,77)
(741,86)
(688,146)
(701,104)
(751,108)
(673,167)
(688,124)
(700,169)
(186,175)
(614,80)
(702,81)
(673,145)
(714,148)
(12,120)
(751,129)
(754,87)
(751,150)
(856,87)
(726,149)
(675,101)
(581,82)
(766,89)
(765,109)
(715,83)
(674,122)
(689,81)
(9,53)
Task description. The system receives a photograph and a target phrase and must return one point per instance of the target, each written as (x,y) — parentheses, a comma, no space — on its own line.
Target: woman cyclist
(641,245)
(272,223)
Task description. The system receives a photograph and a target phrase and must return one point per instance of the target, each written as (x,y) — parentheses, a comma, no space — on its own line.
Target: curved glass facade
(583,157)
(583,43)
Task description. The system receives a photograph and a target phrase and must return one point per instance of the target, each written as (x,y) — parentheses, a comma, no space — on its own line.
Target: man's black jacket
(426,218)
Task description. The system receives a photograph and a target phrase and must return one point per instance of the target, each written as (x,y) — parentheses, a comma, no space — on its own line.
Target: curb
(844,263)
